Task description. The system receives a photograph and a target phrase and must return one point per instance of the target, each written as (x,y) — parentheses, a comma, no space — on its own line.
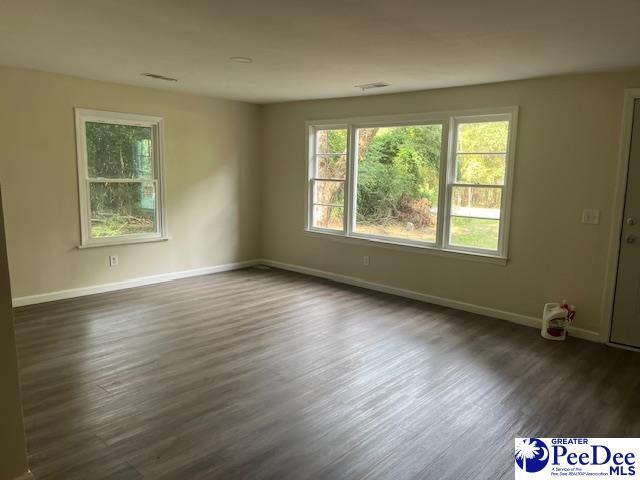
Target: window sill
(409,247)
(128,241)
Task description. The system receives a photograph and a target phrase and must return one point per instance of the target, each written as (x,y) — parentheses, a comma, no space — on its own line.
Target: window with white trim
(439,181)
(328,178)
(476,183)
(120,177)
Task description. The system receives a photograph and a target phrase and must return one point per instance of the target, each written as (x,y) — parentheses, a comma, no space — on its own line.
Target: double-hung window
(440,181)
(476,183)
(120,177)
(328,178)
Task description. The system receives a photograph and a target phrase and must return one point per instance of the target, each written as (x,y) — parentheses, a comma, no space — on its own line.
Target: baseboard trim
(25,476)
(134,282)
(623,347)
(336,277)
(423,297)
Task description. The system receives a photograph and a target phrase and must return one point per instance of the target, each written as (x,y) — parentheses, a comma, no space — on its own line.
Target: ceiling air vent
(369,86)
(159,77)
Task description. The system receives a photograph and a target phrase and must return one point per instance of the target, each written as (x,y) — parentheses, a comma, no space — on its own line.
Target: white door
(626,308)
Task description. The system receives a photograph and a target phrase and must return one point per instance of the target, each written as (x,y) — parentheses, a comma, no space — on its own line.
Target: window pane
(474,233)
(331,141)
(476,202)
(122,208)
(328,217)
(484,169)
(331,166)
(328,193)
(482,137)
(119,151)
(398,180)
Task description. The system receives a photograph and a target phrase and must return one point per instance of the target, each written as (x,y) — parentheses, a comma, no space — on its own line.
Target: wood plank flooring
(273,375)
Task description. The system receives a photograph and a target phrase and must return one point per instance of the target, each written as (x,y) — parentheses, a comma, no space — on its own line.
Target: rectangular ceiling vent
(369,86)
(159,77)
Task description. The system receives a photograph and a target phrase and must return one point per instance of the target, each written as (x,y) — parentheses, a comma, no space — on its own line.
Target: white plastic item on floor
(554,322)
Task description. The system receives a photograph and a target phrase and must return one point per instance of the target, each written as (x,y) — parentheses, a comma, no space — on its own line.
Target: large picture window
(398,181)
(120,177)
(434,181)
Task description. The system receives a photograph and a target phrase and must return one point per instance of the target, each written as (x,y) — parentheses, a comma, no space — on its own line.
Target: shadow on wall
(216,195)
(217,220)
(13,458)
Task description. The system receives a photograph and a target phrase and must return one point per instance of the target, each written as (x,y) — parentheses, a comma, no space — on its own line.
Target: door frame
(608,297)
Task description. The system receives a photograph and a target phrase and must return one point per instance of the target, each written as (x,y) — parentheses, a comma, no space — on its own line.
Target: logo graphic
(532,455)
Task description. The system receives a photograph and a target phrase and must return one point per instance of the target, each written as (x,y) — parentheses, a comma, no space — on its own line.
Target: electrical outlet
(591,216)
(113,260)
(365,260)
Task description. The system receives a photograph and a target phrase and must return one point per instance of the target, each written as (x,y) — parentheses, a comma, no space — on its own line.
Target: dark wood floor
(269,374)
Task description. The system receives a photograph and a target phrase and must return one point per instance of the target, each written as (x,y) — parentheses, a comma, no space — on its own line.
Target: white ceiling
(306,49)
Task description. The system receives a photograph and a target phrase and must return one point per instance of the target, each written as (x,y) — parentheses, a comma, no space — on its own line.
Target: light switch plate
(591,216)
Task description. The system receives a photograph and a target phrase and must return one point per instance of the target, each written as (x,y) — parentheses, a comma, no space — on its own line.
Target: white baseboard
(623,347)
(358,282)
(25,476)
(423,297)
(134,282)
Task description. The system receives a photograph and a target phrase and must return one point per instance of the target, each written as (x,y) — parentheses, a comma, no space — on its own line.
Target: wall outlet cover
(591,216)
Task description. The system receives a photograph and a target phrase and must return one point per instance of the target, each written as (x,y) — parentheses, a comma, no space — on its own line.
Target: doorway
(625,327)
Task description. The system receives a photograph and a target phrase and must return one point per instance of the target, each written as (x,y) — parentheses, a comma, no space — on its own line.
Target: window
(328,179)
(120,177)
(477,182)
(434,181)
(398,181)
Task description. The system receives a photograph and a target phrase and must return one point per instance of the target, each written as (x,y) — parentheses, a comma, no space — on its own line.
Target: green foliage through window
(398,180)
(121,188)
(398,177)
(331,165)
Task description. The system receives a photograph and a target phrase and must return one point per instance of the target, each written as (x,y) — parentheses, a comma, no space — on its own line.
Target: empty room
(334,240)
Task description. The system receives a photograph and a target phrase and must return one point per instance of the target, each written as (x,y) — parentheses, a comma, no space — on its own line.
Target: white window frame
(311,176)
(449,122)
(82,116)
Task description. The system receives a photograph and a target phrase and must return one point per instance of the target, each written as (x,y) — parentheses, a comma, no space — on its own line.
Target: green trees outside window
(398,181)
(121,188)
(399,171)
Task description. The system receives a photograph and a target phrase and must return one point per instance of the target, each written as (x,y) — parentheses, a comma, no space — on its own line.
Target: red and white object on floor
(556,317)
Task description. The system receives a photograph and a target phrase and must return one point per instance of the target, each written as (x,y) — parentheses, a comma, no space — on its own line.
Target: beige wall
(13,459)
(566,156)
(233,194)
(212,181)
